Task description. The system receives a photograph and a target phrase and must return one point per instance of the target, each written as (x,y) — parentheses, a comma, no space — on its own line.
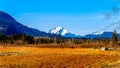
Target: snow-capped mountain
(9,26)
(65,33)
(62,31)
(59,30)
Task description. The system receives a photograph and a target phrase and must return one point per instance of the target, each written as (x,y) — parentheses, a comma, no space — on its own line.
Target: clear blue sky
(78,16)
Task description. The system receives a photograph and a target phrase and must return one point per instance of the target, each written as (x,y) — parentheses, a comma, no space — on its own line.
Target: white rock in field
(103,48)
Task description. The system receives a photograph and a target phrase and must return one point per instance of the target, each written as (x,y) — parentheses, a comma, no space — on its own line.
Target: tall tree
(114,39)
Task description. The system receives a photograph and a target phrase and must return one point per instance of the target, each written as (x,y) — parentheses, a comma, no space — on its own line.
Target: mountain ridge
(9,26)
(106,34)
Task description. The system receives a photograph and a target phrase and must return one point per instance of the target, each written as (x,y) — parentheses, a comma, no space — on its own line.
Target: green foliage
(30,39)
(2,37)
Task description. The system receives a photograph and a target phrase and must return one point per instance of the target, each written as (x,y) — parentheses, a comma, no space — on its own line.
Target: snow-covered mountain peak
(97,33)
(58,30)
(64,32)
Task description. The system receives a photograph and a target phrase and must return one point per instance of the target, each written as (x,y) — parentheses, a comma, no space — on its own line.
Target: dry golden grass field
(33,57)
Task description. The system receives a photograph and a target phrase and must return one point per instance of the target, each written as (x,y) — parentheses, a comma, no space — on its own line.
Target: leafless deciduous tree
(115,11)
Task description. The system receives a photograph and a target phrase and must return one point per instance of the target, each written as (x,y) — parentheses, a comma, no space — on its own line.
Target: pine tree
(114,39)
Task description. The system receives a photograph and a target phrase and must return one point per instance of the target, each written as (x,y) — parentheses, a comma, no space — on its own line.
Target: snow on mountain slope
(63,32)
(58,30)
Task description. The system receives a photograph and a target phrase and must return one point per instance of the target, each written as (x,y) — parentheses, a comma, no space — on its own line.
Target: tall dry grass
(34,57)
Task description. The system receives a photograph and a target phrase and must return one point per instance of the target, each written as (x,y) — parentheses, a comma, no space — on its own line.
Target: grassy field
(32,57)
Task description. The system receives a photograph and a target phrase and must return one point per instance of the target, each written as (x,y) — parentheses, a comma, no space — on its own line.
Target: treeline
(22,39)
(27,39)
(16,39)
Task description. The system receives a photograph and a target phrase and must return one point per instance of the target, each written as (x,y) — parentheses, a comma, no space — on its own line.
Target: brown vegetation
(21,51)
(30,57)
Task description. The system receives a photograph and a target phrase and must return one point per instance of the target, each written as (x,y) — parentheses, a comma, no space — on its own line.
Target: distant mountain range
(64,32)
(9,26)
